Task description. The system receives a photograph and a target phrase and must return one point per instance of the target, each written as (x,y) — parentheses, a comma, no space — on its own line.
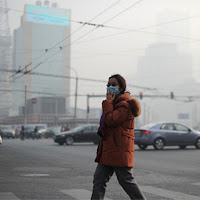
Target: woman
(115,152)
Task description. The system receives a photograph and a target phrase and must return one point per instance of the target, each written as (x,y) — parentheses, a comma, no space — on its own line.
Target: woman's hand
(110,96)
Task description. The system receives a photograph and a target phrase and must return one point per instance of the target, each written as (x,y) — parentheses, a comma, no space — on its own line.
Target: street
(41,169)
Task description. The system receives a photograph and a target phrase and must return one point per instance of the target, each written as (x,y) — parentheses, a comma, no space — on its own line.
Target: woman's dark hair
(121,81)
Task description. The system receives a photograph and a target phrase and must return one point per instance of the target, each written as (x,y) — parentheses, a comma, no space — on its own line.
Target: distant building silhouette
(163,65)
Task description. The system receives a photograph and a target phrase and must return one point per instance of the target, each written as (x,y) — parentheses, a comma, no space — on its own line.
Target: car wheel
(197,144)
(142,146)
(159,144)
(69,140)
(182,146)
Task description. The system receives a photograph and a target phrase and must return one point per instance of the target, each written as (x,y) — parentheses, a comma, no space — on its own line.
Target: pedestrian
(115,152)
(63,128)
(67,128)
(22,133)
(35,133)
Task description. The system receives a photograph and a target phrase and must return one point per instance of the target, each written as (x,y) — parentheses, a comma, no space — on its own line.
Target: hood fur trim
(135,107)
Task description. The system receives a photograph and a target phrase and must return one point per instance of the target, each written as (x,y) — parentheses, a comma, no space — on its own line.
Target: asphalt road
(41,169)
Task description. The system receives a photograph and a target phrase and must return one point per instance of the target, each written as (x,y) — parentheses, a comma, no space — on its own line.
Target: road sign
(34,100)
(183,116)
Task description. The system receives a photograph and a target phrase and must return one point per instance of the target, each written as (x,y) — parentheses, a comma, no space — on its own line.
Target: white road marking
(168,193)
(8,196)
(36,175)
(80,194)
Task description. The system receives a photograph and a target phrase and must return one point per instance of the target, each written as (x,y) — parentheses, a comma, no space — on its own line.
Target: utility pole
(88,108)
(56,111)
(25,106)
(144,113)
(75,103)
(76,96)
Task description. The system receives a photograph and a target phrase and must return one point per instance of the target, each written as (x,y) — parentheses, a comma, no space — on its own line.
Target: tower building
(5,57)
(44,39)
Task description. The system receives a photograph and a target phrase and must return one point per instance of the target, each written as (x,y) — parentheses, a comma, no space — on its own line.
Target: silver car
(166,134)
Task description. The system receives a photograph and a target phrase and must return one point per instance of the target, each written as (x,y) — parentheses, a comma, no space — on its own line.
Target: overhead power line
(49,49)
(153,33)
(101,25)
(40,92)
(85,35)
(71,77)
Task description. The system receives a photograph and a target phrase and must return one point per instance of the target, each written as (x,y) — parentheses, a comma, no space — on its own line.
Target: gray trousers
(125,177)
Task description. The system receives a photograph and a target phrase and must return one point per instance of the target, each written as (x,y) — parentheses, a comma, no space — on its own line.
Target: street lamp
(76,96)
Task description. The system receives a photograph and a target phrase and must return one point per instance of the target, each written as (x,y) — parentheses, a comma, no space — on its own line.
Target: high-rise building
(5,57)
(42,46)
(164,66)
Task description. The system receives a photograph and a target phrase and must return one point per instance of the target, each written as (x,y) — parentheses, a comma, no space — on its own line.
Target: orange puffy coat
(116,148)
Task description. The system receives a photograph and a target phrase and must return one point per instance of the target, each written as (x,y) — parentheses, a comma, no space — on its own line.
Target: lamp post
(25,106)
(76,97)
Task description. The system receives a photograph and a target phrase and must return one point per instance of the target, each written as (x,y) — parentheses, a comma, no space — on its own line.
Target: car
(166,134)
(85,133)
(41,130)
(7,132)
(29,131)
(17,132)
(51,131)
(0,139)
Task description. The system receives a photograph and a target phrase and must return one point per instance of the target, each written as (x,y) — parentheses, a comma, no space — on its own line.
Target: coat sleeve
(115,117)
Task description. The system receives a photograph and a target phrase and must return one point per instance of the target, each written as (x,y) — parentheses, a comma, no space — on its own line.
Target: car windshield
(29,128)
(5,128)
(148,126)
(79,128)
(40,127)
(55,129)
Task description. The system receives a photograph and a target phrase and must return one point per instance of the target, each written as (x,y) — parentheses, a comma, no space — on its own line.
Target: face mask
(114,89)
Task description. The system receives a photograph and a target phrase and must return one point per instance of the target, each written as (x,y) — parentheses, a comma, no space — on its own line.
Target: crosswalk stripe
(80,194)
(8,196)
(168,193)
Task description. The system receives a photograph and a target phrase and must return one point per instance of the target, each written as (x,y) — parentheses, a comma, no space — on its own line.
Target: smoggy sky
(106,50)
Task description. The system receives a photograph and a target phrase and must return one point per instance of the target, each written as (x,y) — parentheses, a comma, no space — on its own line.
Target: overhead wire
(49,49)
(71,77)
(141,27)
(134,4)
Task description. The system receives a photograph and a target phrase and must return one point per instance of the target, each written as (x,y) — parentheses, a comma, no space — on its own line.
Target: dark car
(29,131)
(86,133)
(166,134)
(51,131)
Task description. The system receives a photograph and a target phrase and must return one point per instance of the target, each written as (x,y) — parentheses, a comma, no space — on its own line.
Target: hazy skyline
(108,50)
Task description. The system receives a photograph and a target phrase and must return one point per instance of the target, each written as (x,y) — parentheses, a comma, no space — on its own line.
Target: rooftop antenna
(46,3)
(54,5)
(4,25)
(38,3)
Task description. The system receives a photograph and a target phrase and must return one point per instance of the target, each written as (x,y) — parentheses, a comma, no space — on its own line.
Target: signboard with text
(47,15)
(183,116)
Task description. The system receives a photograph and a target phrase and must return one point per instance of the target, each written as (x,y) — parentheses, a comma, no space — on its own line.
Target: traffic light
(141,95)
(172,95)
